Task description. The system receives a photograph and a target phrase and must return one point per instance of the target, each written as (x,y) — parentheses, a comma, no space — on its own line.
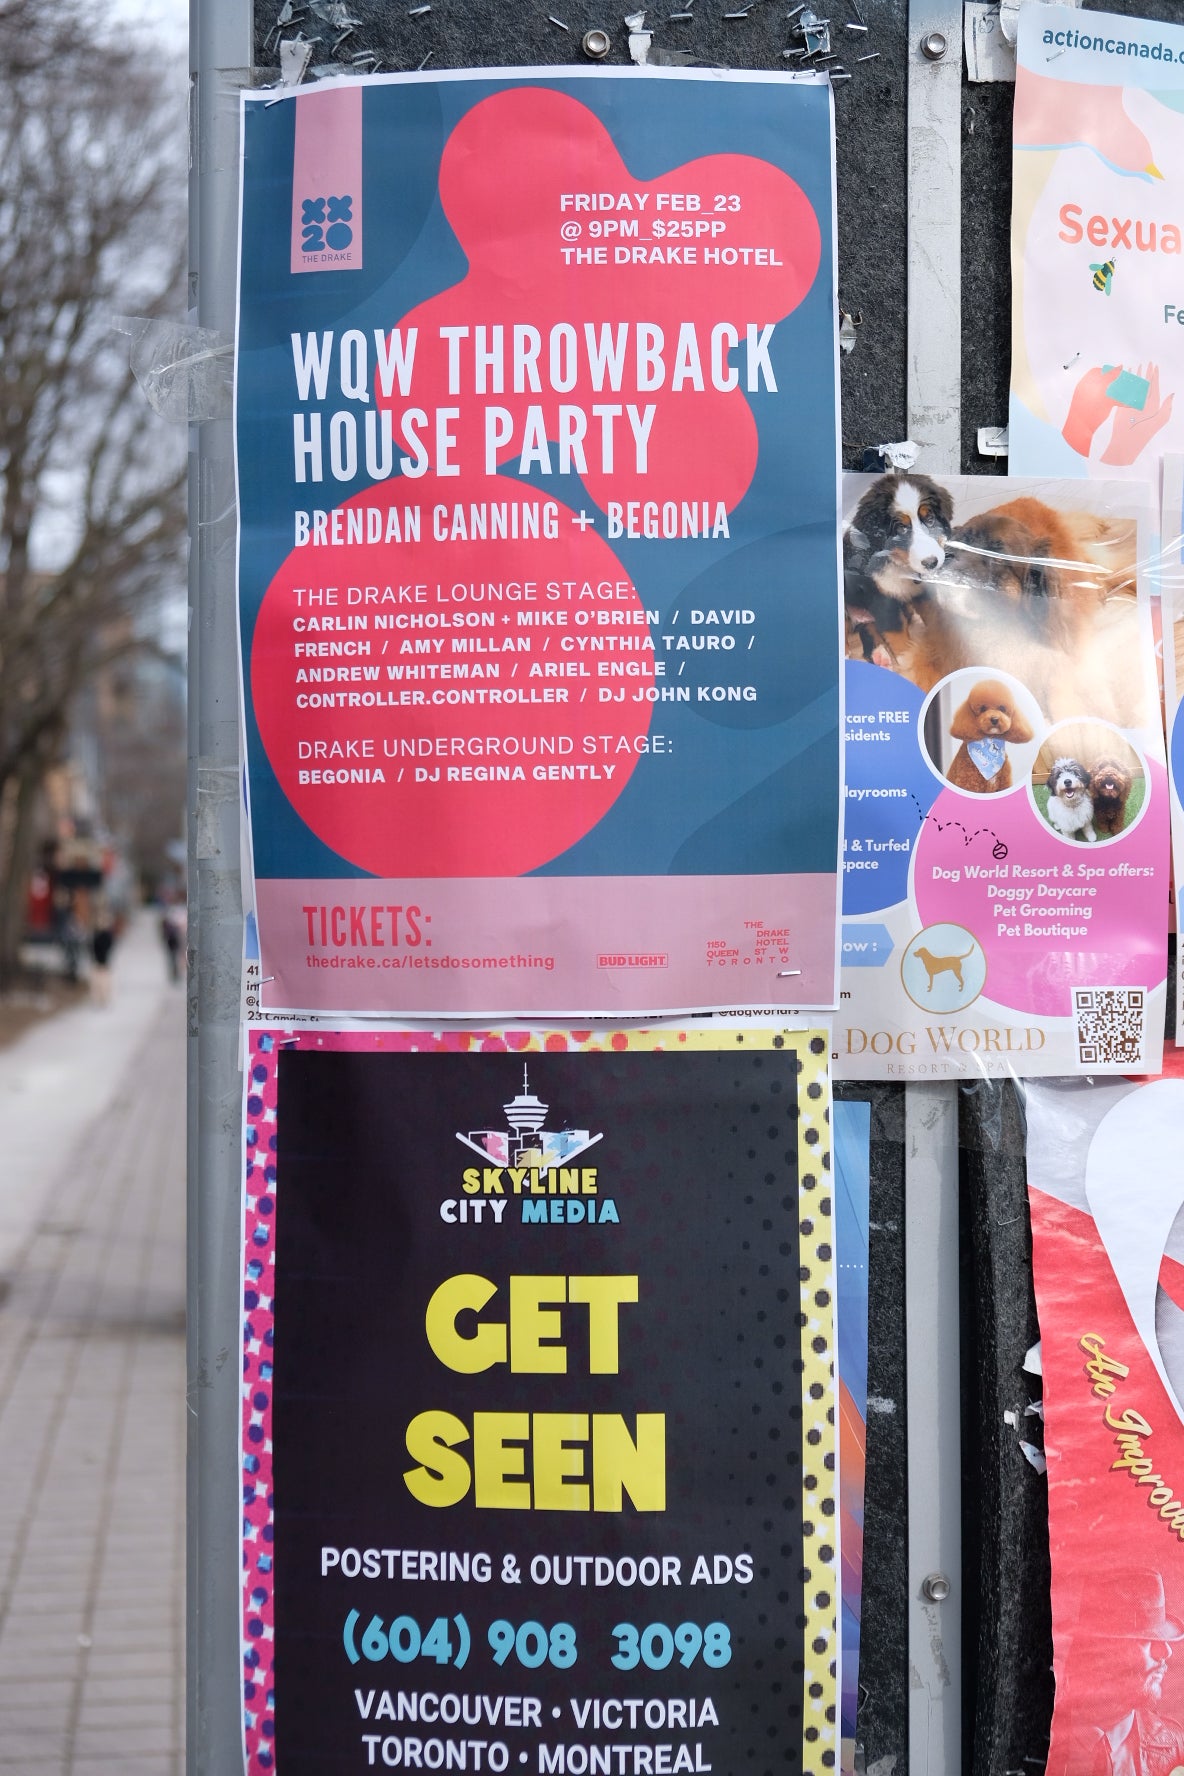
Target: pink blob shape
(504,173)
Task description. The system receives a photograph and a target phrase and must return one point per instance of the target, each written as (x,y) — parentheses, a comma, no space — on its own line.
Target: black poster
(541,1408)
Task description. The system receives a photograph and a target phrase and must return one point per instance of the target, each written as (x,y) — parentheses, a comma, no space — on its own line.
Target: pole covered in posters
(537,457)
(539,1442)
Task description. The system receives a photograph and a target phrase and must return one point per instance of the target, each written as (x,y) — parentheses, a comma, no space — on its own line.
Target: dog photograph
(1069,807)
(980,734)
(1087,782)
(945,575)
(895,540)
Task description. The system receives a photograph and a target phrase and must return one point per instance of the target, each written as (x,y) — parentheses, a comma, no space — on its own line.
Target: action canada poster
(1107,1199)
(1005,864)
(537,447)
(1097,244)
(539,1410)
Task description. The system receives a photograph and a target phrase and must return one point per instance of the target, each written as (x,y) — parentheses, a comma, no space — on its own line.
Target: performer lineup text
(578,1461)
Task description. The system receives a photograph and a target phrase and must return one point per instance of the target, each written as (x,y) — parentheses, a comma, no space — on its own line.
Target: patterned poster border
(820,1488)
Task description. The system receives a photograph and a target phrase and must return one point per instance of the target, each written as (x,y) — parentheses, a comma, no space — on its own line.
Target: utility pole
(220,57)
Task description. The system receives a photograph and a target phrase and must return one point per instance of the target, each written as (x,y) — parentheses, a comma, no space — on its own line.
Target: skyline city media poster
(528,1485)
(537,452)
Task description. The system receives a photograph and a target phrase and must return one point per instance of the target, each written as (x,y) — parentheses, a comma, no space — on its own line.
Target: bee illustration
(1103,276)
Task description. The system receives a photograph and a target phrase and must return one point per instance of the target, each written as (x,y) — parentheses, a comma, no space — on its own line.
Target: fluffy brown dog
(985,724)
(1007,594)
(1109,788)
(1045,595)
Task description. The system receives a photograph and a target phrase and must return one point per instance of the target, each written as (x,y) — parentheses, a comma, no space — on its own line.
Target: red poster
(1107,1191)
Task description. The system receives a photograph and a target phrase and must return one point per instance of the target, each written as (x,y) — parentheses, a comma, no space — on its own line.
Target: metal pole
(220,54)
(931,1111)
(934,1440)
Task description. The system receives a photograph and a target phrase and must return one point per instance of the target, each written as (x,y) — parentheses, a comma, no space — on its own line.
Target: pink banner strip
(600,946)
(327,181)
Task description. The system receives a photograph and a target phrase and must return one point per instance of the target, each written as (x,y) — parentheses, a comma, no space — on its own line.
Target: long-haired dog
(1003,597)
(894,541)
(987,723)
(1070,805)
(1109,787)
(1044,595)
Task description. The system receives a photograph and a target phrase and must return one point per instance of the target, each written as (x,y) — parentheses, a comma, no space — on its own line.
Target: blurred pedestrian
(172,935)
(102,943)
(72,935)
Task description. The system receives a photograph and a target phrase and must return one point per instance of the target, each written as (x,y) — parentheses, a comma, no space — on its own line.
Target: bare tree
(138,713)
(91,483)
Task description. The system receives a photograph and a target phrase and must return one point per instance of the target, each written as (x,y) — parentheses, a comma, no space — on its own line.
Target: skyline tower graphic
(526,1140)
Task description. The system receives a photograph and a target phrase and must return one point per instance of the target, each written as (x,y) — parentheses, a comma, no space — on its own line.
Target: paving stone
(92,1435)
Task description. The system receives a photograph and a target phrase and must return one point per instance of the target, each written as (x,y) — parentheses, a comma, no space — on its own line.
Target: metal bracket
(935,232)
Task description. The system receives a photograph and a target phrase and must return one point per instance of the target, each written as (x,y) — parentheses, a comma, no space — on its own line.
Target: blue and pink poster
(538,565)
(1005,867)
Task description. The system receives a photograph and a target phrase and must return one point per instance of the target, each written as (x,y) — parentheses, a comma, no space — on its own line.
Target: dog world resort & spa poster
(539,1402)
(1106,1195)
(1005,869)
(536,400)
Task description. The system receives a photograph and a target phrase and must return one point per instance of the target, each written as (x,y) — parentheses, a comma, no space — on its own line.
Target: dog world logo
(527,1160)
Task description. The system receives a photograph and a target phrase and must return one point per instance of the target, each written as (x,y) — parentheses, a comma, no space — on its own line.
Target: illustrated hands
(1133,430)
(1089,407)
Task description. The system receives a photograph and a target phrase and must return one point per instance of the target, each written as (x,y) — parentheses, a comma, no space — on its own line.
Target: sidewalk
(92,1382)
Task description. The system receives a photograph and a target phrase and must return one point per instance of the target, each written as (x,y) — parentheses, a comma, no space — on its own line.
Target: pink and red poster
(538,564)
(1107,1202)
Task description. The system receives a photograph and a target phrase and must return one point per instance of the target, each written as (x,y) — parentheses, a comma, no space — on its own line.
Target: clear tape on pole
(186,372)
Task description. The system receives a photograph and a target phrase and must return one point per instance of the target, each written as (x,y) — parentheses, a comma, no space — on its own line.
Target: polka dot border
(820,1438)
(808,1050)
(258,1277)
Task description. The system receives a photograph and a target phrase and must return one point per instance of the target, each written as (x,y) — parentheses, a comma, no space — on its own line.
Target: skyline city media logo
(536,1165)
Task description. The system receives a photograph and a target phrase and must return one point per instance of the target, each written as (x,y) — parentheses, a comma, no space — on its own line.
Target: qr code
(1110,1026)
